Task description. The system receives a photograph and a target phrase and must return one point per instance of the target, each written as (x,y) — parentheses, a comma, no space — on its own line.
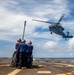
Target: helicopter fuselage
(56,29)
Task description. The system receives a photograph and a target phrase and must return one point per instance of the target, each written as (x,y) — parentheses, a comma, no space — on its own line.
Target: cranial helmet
(23,41)
(19,40)
(29,42)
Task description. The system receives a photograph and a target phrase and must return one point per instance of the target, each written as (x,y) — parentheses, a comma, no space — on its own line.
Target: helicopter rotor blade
(61,18)
(43,21)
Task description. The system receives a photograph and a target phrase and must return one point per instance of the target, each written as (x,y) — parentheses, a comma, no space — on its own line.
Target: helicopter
(57,28)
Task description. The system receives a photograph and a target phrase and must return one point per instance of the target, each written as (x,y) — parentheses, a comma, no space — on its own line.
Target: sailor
(17,52)
(17,44)
(23,55)
(30,48)
(29,54)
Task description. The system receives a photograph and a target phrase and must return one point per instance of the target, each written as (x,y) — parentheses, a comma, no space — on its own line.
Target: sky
(13,13)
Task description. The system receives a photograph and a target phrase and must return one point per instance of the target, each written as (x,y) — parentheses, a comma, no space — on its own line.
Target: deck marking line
(35,69)
(44,72)
(65,64)
(4,65)
(40,66)
(15,72)
(61,74)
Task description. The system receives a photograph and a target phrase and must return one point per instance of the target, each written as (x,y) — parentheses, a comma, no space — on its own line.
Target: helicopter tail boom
(67,36)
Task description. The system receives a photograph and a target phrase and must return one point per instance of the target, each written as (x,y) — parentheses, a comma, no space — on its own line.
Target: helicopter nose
(50,27)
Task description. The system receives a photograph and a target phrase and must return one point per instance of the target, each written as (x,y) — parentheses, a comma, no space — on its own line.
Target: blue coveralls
(30,49)
(23,54)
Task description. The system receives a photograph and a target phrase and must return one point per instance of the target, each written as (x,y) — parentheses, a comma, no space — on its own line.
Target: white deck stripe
(44,72)
(4,65)
(40,65)
(15,72)
(66,64)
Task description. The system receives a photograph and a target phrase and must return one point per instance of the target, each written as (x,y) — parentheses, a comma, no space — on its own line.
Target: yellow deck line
(64,74)
(15,72)
(61,74)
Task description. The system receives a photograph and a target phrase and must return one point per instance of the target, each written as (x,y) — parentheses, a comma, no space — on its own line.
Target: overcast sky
(13,13)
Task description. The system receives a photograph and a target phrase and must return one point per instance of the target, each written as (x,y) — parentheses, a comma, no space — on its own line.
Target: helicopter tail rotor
(67,33)
(68,36)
